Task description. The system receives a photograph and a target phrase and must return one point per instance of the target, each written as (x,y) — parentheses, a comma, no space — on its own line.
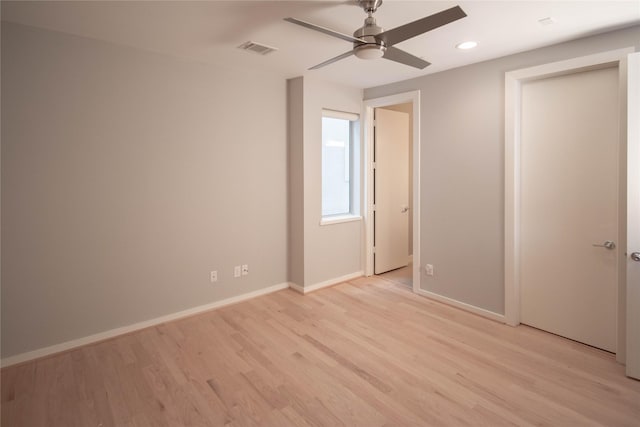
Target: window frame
(354,170)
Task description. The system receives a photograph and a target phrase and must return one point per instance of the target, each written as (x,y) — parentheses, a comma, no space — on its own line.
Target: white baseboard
(58,348)
(296,287)
(463,306)
(325,284)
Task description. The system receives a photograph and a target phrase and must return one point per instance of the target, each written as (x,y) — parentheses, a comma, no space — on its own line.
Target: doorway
(407,257)
(514,82)
(391,188)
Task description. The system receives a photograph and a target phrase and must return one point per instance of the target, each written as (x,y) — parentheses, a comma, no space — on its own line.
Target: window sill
(339,219)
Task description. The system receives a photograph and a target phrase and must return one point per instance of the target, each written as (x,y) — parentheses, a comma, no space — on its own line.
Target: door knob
(635,256)
(608,244)
(404,209)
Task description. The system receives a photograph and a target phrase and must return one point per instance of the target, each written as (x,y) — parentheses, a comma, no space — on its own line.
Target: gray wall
(335,250)
(462,164)
(295,138)
(126,177)
(319,253)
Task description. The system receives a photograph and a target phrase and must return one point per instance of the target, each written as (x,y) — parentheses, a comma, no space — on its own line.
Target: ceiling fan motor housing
(370,47)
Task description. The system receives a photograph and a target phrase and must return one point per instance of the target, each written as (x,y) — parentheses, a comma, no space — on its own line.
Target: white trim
(102,336)
(512,204)
(463,306)
(513,83)
(569,66)
(331,282)
(296,287)
(633,211)
(369,106)
(339,219)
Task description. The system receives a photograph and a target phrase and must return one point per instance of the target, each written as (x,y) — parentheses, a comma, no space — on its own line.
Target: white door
(391,192)
(569,203)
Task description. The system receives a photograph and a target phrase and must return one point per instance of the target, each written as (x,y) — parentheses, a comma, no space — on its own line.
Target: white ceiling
(210,31)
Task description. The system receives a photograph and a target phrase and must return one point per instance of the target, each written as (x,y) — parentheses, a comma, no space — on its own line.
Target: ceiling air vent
(257,48)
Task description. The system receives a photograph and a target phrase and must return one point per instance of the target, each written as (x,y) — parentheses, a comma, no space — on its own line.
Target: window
(339,164)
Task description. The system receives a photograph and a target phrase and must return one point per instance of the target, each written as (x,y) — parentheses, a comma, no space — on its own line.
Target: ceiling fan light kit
(369,51)
(369,47)
(371,41)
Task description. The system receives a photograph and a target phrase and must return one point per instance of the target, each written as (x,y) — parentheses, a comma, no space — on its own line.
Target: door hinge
(374,165)
(374,208)
(374,249)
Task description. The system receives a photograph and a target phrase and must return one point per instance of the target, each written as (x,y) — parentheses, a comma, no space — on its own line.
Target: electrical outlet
(213,276)
(245,269)
(236,271)
(428,269)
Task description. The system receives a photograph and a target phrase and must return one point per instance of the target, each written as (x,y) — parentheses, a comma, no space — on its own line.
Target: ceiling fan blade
(397,55)
(324,30)
(415,28)
(332,60)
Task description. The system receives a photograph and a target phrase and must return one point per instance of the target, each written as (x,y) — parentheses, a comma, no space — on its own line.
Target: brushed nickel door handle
(635,256)
(608,244)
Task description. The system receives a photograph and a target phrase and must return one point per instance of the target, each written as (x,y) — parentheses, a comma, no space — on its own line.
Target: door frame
(369,105)
(633,211)
(513,86)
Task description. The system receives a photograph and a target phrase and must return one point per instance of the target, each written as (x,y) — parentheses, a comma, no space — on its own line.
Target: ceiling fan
(372,42)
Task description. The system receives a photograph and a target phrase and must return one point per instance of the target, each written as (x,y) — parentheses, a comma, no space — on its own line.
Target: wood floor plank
(367,352)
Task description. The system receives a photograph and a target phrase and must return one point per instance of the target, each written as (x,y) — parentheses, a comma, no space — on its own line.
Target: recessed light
(467,45)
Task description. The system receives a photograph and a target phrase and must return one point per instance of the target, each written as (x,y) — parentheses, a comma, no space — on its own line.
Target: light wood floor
(402,276)
(365,353)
